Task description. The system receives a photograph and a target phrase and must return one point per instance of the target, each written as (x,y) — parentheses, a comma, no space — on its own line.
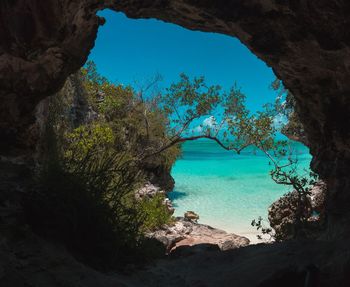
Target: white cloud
(198,129)
(209,122)
(279,121)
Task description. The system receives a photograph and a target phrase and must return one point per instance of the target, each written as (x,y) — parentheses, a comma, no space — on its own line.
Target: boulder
(282,213)
(191,215)
(149,191)
(186,232)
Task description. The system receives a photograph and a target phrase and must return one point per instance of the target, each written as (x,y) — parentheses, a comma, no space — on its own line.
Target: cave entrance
(227,190)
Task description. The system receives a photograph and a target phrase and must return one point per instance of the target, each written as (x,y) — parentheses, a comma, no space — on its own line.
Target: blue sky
(127,50)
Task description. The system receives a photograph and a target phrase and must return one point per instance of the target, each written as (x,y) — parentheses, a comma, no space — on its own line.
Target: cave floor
(32,261)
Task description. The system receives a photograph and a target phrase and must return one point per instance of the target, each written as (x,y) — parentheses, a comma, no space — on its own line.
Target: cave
(305,42)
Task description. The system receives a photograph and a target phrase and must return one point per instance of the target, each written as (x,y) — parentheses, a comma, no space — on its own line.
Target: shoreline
(190,231)
(251,235)
(186,233)
(241,231)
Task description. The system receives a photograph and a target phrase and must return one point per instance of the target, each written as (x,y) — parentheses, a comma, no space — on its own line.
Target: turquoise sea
(226,190)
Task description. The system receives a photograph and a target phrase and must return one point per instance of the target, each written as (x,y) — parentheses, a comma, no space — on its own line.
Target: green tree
(85,192)
(228,122)
(138,122)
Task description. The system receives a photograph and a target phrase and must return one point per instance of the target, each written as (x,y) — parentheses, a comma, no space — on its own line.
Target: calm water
(225,189)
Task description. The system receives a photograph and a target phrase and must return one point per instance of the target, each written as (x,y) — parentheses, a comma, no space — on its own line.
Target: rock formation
(150,190)
(191,215)
(187,233)
(159,175)
(282,213)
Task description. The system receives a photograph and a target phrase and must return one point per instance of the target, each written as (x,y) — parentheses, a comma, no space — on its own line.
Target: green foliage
(110,100)
(87,139)
(232,125)
(139,124)
(194,97)
(85,207)
(154,212)
(85,192)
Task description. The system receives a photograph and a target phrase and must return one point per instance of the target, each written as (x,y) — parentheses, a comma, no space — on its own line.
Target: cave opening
(305,42)
(227,190)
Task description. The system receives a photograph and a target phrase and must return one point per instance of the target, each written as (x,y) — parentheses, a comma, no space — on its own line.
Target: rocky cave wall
(307,43)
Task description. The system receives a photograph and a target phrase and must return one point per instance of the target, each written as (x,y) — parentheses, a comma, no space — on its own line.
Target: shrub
(84,196)
(96,138)
(154,212)
(86,209)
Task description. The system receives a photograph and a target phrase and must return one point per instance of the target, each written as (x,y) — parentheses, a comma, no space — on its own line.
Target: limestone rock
(191,215)
(150,190)
(190,233)
(282,216)
(169,205)
(159,175)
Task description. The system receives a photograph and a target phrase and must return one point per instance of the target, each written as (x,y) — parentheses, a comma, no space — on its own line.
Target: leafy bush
(86,208)
(96,137)
(84,196)
(139,124)
(154,212)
